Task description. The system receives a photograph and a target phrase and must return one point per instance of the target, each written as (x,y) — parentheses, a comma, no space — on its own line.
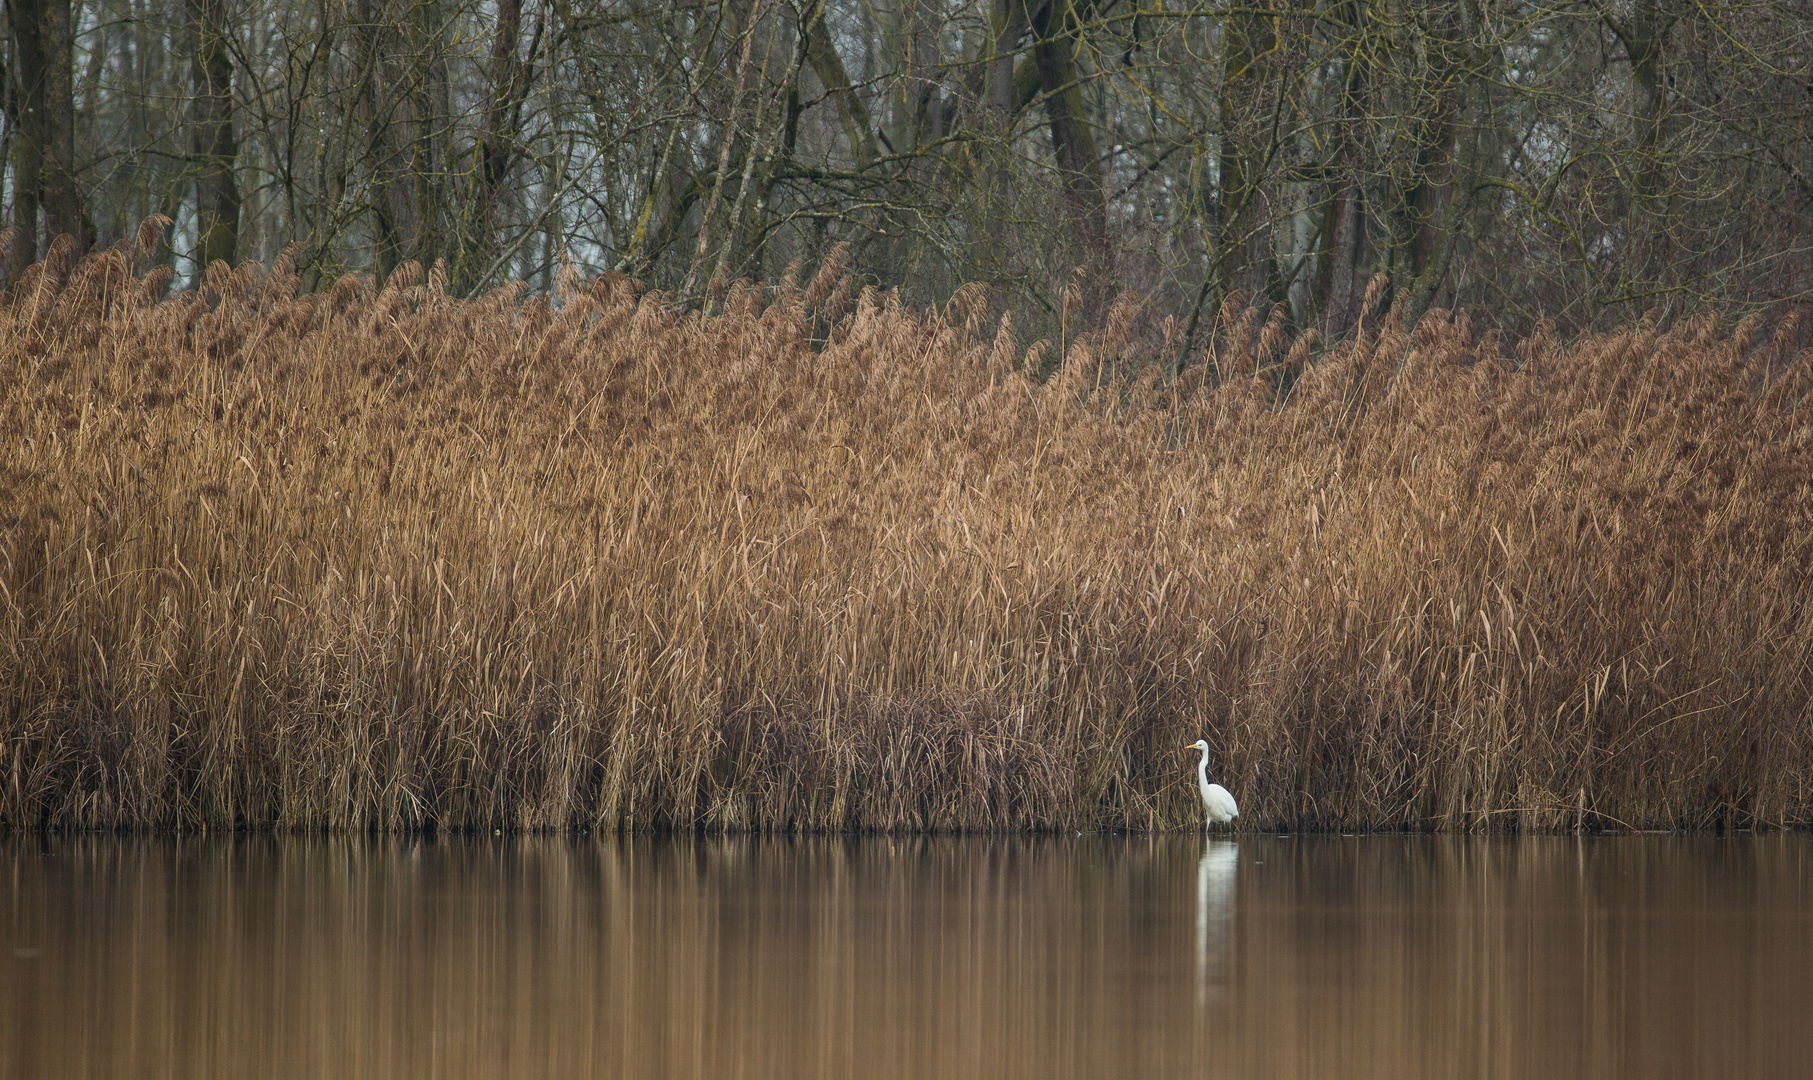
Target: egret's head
(1199,744)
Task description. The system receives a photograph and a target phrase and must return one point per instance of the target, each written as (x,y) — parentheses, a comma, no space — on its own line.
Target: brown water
(1117,957)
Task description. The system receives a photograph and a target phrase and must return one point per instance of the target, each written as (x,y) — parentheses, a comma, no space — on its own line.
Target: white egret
(1216,801)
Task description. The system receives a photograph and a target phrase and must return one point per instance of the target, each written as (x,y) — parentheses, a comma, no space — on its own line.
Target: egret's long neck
(1202,769)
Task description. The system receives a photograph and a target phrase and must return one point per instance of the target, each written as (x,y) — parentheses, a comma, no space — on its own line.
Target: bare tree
(216,149)
(1587,162)
(41,124)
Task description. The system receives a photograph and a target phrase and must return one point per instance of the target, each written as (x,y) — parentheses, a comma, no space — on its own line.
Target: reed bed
(391,560)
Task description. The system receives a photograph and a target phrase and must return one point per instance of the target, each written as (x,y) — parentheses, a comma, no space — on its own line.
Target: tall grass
(389,560)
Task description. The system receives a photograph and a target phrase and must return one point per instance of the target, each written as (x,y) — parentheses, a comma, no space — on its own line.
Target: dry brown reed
(381,559)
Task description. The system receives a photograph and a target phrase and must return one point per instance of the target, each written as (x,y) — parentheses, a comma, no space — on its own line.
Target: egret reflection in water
(1214,914)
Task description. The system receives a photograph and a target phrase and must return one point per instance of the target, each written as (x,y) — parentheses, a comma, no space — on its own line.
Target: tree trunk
(1425,204)
(1338,272)
(1006,25)
(213,144)
(821,53)
(377,78)
(1649,240)
(1240,234)
(924,85)
(1072,143)
(510,78)
(1449,160)
(1645,37)
(1336,276)
(44,155)
(27,119)
(61,200)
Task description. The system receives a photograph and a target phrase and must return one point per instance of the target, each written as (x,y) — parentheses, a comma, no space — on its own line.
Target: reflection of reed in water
(1214,914)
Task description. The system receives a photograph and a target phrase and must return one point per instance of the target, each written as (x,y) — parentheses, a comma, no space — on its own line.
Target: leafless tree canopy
(1583,161)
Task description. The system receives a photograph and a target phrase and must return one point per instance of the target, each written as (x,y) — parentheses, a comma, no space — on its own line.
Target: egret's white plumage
(1216,801)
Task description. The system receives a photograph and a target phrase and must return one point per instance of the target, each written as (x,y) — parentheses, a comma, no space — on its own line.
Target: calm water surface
(1117,957)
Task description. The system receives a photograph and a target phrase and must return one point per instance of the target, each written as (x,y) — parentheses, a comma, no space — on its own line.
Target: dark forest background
(1589,162)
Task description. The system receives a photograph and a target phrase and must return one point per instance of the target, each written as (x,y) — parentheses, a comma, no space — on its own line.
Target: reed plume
(387,559)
